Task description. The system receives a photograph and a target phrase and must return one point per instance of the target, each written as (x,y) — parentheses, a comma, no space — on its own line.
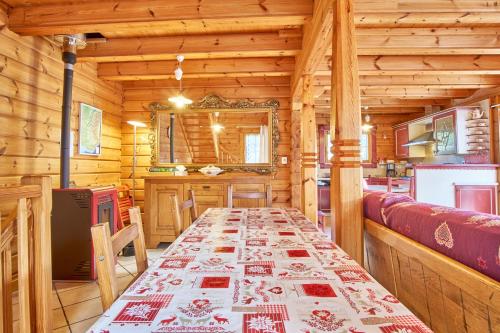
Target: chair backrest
(267,195)
(191,204)
(106,247)
(124,204)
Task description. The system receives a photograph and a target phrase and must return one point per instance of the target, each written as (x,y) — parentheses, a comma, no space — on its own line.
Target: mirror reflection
(215,136)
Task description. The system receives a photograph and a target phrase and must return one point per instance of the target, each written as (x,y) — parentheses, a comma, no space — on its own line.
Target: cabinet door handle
(206,187)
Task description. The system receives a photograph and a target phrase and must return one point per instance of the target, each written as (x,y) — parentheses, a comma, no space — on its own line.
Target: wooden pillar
(295,164)
(346,173)
(309,151)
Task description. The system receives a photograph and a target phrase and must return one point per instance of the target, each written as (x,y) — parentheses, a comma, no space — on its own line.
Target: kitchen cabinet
(401,138)
(479,198)
(324,198)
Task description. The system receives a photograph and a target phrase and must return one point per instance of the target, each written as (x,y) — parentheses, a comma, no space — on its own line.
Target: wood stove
(74,211)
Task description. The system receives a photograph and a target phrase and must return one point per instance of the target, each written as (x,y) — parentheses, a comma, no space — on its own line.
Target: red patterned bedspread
(256,271)
(471,238)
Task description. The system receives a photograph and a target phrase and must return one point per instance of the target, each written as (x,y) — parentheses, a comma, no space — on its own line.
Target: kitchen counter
(440,184)
(457,166)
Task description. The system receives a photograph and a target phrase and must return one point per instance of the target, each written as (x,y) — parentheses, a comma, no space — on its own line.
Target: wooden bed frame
(445,294)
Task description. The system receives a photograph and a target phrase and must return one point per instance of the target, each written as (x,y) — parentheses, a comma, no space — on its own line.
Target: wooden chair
(106,247)
(191,204)
(267,195)
(124,204)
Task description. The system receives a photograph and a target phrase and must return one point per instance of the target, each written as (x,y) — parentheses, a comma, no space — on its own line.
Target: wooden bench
(445,294)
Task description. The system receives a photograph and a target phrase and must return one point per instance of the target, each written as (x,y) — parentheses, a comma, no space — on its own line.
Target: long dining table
(256,270)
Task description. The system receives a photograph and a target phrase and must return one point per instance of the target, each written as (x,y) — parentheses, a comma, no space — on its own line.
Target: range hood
(421,140)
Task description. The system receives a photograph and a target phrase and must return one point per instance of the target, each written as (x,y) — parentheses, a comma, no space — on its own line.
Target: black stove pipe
(69,58)
(172,143)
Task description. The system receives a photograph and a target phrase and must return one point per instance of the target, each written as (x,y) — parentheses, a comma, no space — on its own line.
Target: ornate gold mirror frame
(215,102)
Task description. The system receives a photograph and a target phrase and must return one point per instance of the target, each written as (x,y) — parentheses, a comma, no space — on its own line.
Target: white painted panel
(436,186)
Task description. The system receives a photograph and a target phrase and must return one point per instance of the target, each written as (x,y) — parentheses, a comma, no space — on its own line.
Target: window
(329,146)
(365,147)
(252,148)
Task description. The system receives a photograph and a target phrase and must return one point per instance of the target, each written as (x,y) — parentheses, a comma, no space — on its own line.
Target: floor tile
(84,310)
(58,319)
(131,268)
(83,326)
(121,271)
(77,295)
(68,285)
(126,260)
(123,282)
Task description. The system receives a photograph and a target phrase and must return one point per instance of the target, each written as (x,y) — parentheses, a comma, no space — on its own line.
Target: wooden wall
(139,94)
(31,73)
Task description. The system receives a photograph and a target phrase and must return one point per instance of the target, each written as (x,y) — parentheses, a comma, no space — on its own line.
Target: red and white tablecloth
(262,270)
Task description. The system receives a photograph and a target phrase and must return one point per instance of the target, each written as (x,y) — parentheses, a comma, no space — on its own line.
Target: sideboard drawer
(207,189)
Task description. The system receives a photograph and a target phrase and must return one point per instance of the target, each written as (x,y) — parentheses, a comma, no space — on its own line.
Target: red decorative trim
(456,166)
(491,191)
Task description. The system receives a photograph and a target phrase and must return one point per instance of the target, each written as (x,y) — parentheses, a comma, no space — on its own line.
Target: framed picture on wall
(90,130)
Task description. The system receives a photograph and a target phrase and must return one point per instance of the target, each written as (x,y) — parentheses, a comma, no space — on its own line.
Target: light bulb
(217,128)
(180,101)
(178,73)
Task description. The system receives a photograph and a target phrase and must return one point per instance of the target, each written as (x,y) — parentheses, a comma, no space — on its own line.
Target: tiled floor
(77,305)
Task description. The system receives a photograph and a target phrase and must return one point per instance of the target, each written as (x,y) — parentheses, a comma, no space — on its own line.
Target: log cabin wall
(139,94)
(31,83)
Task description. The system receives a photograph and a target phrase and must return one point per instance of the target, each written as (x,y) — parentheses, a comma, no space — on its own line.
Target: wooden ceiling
(411,54)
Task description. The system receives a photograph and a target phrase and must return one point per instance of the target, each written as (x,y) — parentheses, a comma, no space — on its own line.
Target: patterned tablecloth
(256,271)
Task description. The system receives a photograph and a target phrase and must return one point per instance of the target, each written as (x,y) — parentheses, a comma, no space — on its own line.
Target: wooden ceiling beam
(223,82)
(197,68)
(374,102)
(398,110)
(426,19)
(427,81)
(268,44)
(315,43)
(423,65)
(404,92)
(409,6)
(186,16)
(424,41)
(4,18)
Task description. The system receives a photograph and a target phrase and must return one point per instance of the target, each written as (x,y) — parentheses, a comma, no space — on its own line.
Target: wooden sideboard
(209,191)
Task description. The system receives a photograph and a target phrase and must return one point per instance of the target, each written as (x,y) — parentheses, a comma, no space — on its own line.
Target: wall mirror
(241,135)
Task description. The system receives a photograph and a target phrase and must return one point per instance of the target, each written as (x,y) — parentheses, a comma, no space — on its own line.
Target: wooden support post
(309,151)
(42,207)
(295,167)
(346,174)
